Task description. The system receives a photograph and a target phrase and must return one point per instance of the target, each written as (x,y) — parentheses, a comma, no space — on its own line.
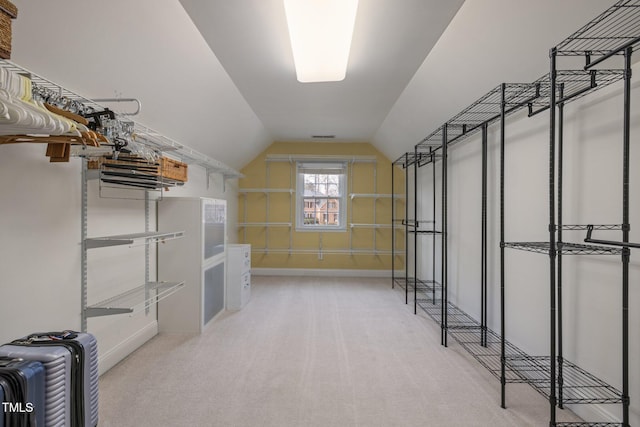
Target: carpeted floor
(313,352)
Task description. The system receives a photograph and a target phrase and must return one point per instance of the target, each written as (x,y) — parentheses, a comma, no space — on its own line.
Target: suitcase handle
(6,361)
(48,336)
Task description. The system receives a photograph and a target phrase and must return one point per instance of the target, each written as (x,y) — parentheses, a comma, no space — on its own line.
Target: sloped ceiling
(487,43)
(391,39)
(145,49)
(218,75)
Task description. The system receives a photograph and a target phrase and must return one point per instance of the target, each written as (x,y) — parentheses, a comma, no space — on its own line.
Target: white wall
(592,194)
(488,42)
(102,50)
(40,269)
(40,249)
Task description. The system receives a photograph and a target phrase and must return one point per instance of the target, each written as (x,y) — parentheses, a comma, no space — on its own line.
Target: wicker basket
(173,169)
(134,162)
(8,11)
(165,167)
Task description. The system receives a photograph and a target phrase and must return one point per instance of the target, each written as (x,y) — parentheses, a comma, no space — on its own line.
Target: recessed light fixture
(321,33)
(323,136)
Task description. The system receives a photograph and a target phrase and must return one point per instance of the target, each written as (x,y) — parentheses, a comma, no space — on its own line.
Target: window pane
(322,189)
(320,200)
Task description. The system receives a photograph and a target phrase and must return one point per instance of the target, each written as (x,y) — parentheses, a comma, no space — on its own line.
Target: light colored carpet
(313,352)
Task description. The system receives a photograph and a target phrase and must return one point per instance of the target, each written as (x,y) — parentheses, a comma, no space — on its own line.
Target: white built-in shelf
(360,225)
(264,224)
(370,196)
(136,299)
(265,190)
(128,239)
(321,251)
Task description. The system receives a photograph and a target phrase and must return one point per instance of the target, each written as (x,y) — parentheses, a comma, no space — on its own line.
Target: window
(320,197)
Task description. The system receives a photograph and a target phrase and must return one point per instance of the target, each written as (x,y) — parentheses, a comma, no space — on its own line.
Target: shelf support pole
(625,236)
(415,234)
(393,228)
(433,213)
(406,229)
(503,377)
(445,296)
(83,243)
(483,261)
(552,239)
(147,228)
(560,137)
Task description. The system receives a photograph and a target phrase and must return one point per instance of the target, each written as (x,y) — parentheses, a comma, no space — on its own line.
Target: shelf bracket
(97,243)
(105,311)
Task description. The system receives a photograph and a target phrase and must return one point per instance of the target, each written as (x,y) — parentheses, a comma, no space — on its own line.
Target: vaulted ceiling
(218,75)
(391,39)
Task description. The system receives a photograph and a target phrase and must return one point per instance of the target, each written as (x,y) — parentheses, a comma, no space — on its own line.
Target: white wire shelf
(265,190)
(322,251)
(371,196)
(134,300)
(363,225)
(143,134)
(129,239)
(264,224)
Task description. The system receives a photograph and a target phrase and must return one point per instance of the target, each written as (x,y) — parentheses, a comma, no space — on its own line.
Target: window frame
(301,167)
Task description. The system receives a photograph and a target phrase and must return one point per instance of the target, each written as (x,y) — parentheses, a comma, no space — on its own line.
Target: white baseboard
(594,413)
(319,272)
(109,359)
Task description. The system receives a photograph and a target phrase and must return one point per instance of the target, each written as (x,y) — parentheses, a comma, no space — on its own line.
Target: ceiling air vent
(323,136)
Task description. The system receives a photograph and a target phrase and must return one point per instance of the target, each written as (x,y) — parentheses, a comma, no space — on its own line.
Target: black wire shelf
(413,226)
(485,110)
(608,33)
(431,141)
(456,318)
(575,84)
(594,227)
(564,248)
(587,424)
(427,286)
(535,96)
(410,158)
(411,281)
(484,345)
(580,387)
(418,231)
(399,281)
(488,355)
(488,109)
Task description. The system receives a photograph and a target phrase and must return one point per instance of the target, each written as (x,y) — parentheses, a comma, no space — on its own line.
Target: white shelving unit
(131,239)
(150,292)
(238,276)
(135,300)
(199,259)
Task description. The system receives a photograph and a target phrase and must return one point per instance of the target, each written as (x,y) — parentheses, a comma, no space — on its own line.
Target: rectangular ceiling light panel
(321,33)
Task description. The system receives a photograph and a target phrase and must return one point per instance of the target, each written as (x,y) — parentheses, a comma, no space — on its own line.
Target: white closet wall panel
(39,242)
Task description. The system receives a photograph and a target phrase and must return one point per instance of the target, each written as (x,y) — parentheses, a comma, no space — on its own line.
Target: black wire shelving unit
(492,107)
(614,33)
(400,280)
(406,282)
(432,151)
